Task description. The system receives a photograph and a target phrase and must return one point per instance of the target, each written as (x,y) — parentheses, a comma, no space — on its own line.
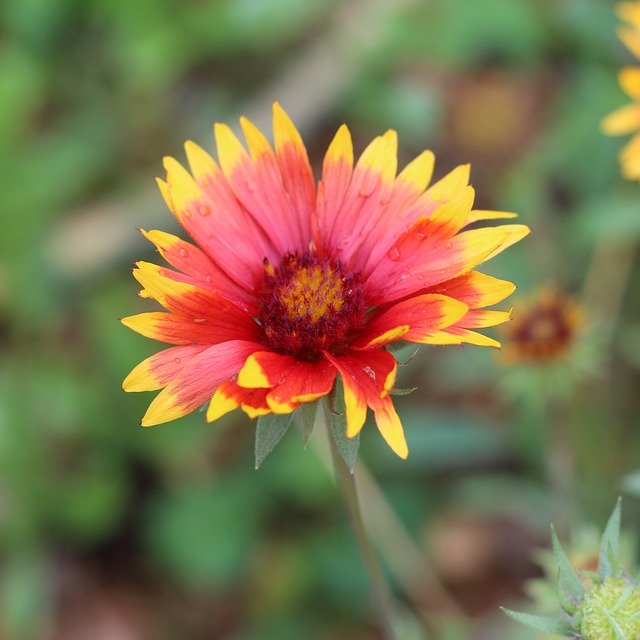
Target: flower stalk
(379,589)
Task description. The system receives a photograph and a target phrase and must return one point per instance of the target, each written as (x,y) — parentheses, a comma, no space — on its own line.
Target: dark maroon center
(310,304)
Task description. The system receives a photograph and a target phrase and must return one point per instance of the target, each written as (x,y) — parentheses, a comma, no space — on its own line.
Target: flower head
(626,119)
(543,329)
(602,604)
(288,285)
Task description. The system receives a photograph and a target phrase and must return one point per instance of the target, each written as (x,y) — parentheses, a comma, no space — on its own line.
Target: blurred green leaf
(441,440)
(305,417)
(347,447)
(541,623)
(269,431)
(613,217)
(610,544)
(202,533)
(568,580)
(24,586)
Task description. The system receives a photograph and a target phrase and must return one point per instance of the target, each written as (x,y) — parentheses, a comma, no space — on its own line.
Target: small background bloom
(111,531)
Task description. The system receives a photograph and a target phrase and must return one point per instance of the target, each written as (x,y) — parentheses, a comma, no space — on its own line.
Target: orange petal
(197,381)
(424,315)
(390,427)
(230,396)
(302,382)
(476,289)
(159,369)
(367,378)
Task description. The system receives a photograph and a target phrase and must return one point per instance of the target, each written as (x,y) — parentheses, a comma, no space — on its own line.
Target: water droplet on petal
(448,245)
(394,254)
(419,235)
(177,360)
(209,278)
(183,252)
(199,320)
(204,210)
(370,372)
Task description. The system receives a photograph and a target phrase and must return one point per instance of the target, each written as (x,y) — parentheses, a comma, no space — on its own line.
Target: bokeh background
(113,532)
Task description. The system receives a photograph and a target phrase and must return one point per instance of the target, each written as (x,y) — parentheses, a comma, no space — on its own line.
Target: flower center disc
(309,304)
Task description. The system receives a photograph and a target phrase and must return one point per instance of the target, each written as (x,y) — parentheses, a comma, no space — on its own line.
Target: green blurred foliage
(92,95)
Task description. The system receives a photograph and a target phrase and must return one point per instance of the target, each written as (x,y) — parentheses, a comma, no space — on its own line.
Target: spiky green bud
(593,606)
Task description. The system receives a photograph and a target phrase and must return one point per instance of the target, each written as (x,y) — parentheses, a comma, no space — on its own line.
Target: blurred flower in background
(493,115)
(544,328)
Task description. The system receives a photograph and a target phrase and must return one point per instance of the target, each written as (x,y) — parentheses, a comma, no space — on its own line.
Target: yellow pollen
(312,293)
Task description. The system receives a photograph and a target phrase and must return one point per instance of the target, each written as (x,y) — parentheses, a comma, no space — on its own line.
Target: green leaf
(568,580)
(348,447)
(540,623)
(610,544)
(269,431)
(305,416)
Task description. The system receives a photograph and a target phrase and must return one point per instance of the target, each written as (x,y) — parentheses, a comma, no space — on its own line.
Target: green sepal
(402,392)
(348,447)
(569,583)
(541,623)
(305,417)
(269,432)
(619,633)
(610,544)
(397,345)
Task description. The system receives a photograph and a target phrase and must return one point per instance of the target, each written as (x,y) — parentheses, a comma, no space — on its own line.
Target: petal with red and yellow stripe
(419,319)
(406,203)
(158,370)
(417,262)
(229,396)
(186,299)
(290,381)
(200,268)
(206,206)
(296,172)
(178,329)
(301,382)
(478,319)
(370,184)
(337,169)
(367,378)
(475,289)
(257,184)
(426,235)
(197,381)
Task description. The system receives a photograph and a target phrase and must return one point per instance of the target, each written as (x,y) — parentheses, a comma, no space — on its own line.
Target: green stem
(379,589)
(561,465)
